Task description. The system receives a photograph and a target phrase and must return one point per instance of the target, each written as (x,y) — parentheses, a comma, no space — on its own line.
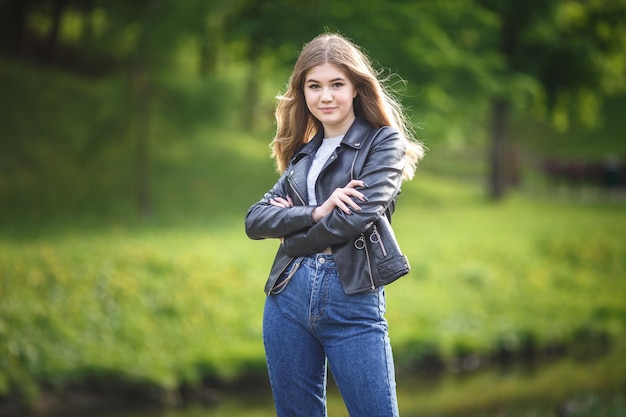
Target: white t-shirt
(321,156)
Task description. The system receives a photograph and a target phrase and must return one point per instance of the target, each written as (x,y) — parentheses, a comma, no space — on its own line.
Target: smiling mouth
(327,109)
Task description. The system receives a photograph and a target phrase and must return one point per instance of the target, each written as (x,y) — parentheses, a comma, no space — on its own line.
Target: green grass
(90,291)
(165,305)
(487,275)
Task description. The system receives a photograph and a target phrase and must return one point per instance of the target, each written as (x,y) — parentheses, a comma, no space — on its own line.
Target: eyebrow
(318,82)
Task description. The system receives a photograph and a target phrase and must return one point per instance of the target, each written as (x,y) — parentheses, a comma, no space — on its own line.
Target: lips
(327,109)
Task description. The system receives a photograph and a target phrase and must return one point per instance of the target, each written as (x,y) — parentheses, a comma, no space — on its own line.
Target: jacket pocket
(385,260)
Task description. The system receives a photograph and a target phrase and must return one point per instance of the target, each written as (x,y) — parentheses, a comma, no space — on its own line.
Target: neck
(338,129)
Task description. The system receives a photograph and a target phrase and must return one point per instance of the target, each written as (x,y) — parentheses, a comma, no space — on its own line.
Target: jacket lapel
(301,162)
(355,138)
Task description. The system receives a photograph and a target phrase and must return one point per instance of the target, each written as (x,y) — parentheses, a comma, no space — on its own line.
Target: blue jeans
(311,321)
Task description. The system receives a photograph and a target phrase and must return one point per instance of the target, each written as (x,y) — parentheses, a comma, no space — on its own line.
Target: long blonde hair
(374,103)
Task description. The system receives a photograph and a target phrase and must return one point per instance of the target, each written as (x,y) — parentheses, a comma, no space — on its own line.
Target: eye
(338,84)
(313,86)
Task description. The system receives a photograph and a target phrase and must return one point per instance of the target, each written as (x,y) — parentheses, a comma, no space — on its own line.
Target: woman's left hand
(282,203)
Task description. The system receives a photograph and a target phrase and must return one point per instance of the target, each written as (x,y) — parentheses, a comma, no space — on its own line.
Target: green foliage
(88,290)
(513,277)
(68,144)
(583,143)
(172,303)
(57,130)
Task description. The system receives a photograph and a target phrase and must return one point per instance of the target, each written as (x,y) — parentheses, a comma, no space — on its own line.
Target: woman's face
(328,93)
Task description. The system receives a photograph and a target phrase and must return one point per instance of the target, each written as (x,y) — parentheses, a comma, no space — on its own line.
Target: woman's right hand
(341,198)
(281,202)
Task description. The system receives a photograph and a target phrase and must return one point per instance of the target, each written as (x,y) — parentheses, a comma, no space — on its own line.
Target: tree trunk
(497,173)
(53,36)
(251,99)
(141,92)
(209,46)
(142,97)
(252,94)
(14,27)
(86,34)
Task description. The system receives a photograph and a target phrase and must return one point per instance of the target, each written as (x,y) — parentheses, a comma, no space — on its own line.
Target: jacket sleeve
(266,221)
(382,173)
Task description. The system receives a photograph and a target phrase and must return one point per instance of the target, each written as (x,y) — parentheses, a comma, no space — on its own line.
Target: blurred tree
(13,27)
(137,39)
(211,34)
(17,38)
(572,54)
(553,59)
(158,27)
(277,29)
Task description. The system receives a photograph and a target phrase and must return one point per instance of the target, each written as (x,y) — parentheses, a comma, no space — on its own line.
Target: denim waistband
(320,260)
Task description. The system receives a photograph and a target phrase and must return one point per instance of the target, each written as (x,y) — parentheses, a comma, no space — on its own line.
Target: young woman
(343,148)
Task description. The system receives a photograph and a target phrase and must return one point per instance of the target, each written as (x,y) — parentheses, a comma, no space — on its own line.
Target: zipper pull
(375,238)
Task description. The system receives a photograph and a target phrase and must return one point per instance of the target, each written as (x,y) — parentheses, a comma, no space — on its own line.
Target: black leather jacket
(375,156)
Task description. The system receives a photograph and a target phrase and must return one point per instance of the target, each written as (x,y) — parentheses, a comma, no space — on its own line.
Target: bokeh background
(134,136)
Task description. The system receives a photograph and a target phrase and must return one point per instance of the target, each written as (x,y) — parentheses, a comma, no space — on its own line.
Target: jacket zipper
(295,190)
(359,244)
(378,240)
(369,267)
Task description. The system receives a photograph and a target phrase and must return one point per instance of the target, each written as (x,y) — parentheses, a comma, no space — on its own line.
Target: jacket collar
(354,137)
(357,134)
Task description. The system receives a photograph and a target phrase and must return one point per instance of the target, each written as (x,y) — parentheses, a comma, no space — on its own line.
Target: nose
(326,95)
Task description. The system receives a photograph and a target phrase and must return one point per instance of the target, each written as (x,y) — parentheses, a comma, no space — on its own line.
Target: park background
(134,136)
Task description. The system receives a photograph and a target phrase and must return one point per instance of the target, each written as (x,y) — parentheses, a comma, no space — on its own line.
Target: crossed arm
(341,198)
